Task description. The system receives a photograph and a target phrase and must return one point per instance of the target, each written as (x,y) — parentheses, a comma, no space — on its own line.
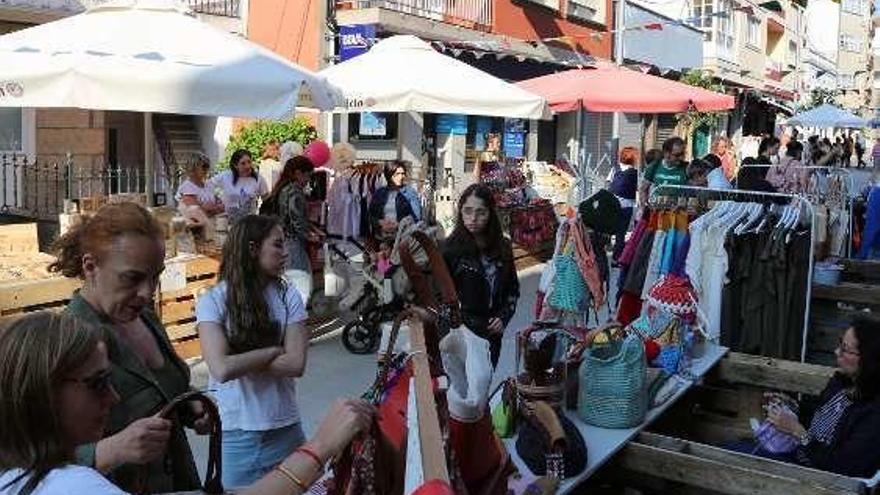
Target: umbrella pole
(149,165)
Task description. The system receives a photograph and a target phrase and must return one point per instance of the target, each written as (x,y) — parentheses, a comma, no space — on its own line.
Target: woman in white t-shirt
(255,343)
(241,186)
(195,197)
(55,382)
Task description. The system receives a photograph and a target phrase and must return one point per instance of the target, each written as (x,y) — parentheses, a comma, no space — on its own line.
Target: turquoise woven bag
(612,384)
(569,289)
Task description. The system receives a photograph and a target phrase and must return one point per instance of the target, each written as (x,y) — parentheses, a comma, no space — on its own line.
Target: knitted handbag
(569,288)
(612,384)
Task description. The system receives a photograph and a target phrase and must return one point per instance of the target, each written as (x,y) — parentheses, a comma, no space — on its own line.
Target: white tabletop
(603,443)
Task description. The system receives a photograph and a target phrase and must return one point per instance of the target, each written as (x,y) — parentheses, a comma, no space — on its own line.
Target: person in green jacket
(119,254)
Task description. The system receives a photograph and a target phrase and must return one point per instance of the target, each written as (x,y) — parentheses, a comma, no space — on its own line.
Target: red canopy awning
(608,88)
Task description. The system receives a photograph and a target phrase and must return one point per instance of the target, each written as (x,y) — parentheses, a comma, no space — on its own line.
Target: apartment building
(854,77)
(754,49)
(875,67)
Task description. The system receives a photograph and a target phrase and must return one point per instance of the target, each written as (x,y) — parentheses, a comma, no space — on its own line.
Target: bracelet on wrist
(287,473)
(306,451)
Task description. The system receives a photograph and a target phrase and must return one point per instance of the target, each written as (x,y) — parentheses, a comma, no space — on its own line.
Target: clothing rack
(850,189)
(708,193)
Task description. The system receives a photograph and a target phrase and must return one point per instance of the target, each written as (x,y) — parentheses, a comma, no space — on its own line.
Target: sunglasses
(98,384)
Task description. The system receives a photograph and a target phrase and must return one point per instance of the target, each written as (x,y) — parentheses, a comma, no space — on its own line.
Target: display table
(603,443)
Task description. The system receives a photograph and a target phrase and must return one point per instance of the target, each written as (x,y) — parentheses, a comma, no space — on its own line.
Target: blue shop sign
(515,138)
(451,123)
(355,40)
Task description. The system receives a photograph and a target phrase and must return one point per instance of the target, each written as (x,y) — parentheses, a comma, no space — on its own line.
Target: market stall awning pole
(149,166)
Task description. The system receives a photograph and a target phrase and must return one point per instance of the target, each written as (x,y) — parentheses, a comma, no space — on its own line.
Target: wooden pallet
(679,454)
(834,307)
(176,308)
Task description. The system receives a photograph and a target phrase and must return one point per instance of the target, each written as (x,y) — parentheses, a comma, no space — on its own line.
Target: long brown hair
(95,234)
(462,241)
(297,163)
(37,352)
(250,324)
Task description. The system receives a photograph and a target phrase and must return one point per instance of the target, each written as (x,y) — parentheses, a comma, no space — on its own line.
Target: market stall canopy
(827,116)
(405,74)
(151,56)
(607,88)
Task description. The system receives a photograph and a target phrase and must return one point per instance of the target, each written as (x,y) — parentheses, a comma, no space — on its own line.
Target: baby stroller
(386,289)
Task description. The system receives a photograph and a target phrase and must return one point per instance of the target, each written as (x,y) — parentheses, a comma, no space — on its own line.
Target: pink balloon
(318,152)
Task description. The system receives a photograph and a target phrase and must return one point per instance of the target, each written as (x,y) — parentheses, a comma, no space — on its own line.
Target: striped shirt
(824,425)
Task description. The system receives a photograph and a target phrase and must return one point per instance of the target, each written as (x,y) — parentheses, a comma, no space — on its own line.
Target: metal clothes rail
(850,191)
(708,193)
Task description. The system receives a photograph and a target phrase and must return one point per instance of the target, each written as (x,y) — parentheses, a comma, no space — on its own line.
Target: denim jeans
(249,455)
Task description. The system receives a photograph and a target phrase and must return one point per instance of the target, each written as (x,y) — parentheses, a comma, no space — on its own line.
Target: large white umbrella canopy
(151,56)
(405,74)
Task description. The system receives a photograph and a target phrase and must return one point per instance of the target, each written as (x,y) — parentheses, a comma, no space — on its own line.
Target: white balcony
(471,13)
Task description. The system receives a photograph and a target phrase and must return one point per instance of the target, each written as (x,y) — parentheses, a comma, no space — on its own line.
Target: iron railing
(223,8)
(37,188)
(478,14)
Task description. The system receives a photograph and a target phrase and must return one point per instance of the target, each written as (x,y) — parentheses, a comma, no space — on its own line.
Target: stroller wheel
(359,338)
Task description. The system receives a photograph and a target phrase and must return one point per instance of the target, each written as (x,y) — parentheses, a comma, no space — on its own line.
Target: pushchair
(386,289)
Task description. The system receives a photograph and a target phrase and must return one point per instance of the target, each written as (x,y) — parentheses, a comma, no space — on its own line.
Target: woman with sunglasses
(56,381)
(195,197)
(840,433)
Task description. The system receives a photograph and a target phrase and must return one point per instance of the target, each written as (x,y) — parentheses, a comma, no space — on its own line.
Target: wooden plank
(16,296)
(815,477)
(19,238)
(775,374)
(173,312)
(193,289)
(187,349)
(180,332)
(430,438)
(863,269)
(851,292)
(201,266)
(710,474)
(718,399)
(718,429)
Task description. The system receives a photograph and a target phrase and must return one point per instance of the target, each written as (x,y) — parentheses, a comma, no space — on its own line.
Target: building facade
(854,77)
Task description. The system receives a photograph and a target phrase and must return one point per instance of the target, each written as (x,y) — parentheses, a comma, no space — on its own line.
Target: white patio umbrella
(405,74)
(151,56)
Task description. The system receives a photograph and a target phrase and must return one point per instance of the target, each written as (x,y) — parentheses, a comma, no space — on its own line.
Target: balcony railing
(478,14)
(223,8)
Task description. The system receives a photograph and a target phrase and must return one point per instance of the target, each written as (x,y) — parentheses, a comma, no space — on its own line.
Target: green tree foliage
(255,136)
(821,96)
(693,118)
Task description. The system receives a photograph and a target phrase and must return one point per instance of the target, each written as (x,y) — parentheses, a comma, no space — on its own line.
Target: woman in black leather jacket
(480,259)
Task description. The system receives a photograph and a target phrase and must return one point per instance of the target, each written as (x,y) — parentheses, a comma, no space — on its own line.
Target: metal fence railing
(37,188)
(473,13)
(224,8)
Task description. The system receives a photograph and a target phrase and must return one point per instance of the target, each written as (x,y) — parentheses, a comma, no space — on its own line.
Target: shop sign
(355,40)
(451,123)
(515,138)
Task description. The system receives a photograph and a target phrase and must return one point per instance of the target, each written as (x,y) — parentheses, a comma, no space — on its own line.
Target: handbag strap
(213,479)
(448,308)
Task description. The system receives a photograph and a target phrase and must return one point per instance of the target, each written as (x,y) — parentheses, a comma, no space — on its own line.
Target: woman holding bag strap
(55,377)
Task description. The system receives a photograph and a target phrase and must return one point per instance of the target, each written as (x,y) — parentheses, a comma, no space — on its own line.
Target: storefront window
(11,130)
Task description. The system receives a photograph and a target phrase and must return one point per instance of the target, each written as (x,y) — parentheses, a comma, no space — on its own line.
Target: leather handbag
(213,480)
